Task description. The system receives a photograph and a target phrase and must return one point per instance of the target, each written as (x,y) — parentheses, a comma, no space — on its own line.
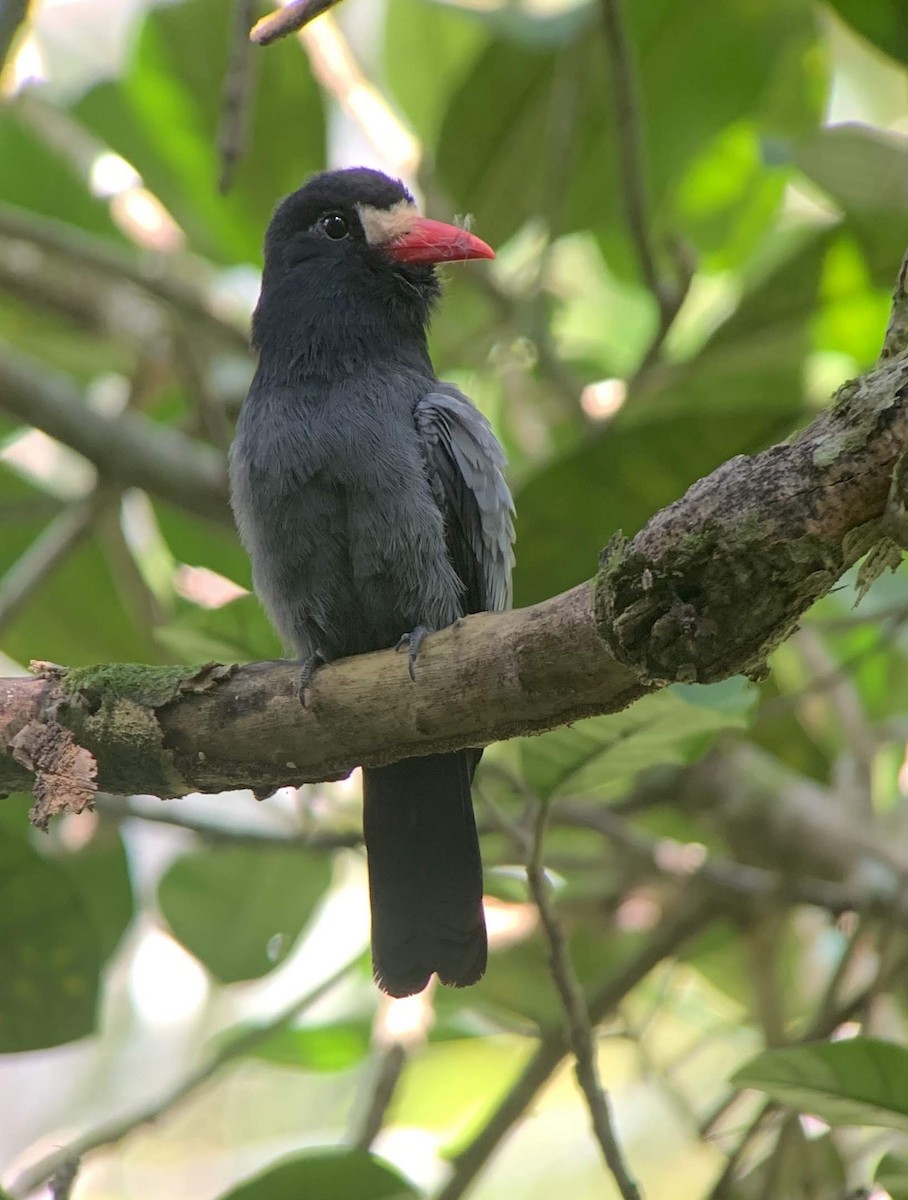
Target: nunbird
(371,500)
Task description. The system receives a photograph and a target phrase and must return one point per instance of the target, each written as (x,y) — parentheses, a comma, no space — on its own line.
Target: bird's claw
(413,641)
(310,665)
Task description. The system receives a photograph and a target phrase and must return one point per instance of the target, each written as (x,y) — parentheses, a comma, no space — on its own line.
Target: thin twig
(734,879)
(720,1190)
(61,1185)
(236,93)
(823,1026)
(626,103)
(155,274)
(829,1002)
(668,294)
(894,621)
(577,1016)
(49,549)
(676,928)
(128,449)
(845,702)
(95,512)
(121,808)
(390,1068)
(284,21)
(685,265)
(115,1131)
(214,412)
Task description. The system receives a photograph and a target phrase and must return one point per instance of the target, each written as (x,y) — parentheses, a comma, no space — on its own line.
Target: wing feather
(465,464)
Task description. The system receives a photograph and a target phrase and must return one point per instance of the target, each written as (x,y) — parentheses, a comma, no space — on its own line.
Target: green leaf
(601,754)
(740,393)
(239,910)
(428,49)
(440,1088)
(100,872)
(853,313)
(864,170)
(50,950)
(44,181)
(568,510)
(51,627)
(881,22)
(235,632)
(163,114)
(506,124)
(728,197)
(861,1081)
(892,1176)
(336,1047)
(326,1175)
(201,543)
(798,1166)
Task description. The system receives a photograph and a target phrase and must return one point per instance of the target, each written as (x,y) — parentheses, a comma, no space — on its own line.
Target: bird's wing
(464,462)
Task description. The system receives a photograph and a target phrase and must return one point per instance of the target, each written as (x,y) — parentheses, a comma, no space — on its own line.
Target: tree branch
(706,590)
(578,1025)
(390,1068)
(675,930)
(128,450)
(215,832)
(626,104)
(116,1130)
(739,885)
(182,729)
(284,21)
(236,94)
(51,547)
(155,274)
(668,294)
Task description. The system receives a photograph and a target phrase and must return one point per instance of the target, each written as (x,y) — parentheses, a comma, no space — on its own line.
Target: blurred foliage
(774,161)
(264,901)
(861,1081)
(351,1174)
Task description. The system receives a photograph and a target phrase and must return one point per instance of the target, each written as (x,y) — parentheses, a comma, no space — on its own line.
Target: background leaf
(50,949)
(334,1047)
(602,754)
(859,1081)
(882,22)
(228,905)
(326,1175)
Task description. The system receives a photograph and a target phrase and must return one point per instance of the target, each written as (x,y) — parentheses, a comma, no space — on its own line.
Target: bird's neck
(301,337)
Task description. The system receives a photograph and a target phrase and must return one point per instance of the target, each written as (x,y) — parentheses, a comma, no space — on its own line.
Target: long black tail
(425,873)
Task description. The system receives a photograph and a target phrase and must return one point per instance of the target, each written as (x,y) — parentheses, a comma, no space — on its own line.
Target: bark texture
(706,590)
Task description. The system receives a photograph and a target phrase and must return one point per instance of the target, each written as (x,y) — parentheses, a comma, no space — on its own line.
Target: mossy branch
(706,590)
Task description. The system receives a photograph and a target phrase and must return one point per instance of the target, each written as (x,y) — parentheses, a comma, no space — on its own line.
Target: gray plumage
(356,498)
(371,500)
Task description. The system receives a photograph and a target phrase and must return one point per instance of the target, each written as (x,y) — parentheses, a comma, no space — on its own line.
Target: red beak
(434,242)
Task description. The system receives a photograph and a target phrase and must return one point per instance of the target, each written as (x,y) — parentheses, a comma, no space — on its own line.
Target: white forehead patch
(384,225)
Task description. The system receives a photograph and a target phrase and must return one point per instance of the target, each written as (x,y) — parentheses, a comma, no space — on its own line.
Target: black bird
(371,500)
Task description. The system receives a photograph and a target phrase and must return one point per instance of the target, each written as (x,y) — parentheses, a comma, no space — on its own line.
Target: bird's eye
(334,226)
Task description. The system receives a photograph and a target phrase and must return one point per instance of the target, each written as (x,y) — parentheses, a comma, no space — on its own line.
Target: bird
(371,499)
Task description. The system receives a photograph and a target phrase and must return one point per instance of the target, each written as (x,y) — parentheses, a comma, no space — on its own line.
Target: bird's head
(350,247)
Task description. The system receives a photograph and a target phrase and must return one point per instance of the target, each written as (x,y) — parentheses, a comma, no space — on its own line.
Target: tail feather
(425,873)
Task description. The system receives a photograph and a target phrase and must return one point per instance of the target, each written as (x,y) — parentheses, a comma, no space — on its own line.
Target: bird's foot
(413,641)
(309,666)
